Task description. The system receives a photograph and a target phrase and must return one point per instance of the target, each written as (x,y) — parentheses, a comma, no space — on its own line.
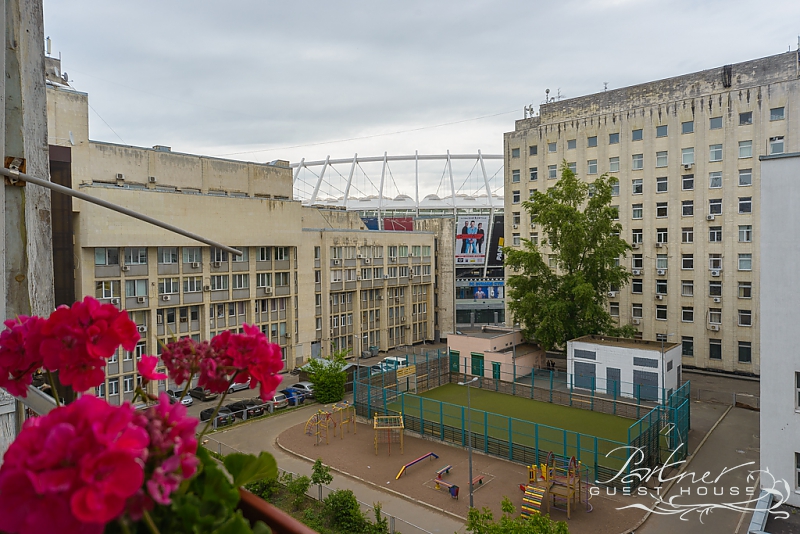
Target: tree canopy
(578,225)
(328,376)
(483,522)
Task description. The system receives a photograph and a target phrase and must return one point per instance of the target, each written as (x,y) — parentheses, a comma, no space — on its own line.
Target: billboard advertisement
(487,289)
(471,239)
(495,251)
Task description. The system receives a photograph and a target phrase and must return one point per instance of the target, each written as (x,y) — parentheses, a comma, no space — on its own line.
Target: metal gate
(645,385)
(584,375)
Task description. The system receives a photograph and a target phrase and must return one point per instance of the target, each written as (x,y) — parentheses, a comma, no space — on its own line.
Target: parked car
(305,387)
(239,408)
(202,394)
(278,401)
(295,396)
(174,396)
(224,417)
(239,387)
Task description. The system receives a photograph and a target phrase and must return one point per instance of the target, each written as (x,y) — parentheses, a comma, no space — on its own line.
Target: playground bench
(477,480)
(444,470)
(452,488)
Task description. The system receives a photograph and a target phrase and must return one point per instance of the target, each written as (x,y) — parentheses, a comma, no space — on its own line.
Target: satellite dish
(65,77)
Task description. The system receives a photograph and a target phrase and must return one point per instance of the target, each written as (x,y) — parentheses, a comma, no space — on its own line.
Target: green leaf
(261,528)
(234,525)
(247,468)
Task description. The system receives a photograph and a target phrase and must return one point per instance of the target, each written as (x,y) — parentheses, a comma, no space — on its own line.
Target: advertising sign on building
(471,241)
(495,251)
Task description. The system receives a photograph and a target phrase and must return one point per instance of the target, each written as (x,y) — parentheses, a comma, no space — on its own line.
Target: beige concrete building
(685,150)
(310,278)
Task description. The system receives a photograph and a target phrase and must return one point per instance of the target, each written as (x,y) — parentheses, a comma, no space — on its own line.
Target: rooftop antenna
(49,49)
(605,86)
(546,96)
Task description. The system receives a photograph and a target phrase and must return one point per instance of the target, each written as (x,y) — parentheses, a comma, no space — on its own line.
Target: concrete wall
(445,232)
(780,293)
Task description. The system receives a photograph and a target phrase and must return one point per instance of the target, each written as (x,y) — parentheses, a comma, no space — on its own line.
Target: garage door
(612,381)
(584,375)
(645,385)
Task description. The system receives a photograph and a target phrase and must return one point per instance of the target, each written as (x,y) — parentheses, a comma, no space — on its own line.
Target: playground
(428,471)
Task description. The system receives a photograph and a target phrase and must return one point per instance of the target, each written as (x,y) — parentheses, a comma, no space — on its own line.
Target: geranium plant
(90,467)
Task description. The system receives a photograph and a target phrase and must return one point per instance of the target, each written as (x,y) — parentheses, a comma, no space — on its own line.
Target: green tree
(482,522)
(328,376)
(578,225)
(321,474)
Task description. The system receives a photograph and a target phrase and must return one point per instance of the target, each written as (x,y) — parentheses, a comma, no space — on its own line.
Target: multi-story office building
(311,278)
(685,151)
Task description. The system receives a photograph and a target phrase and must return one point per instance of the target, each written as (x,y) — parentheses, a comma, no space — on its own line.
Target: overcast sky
(259,80)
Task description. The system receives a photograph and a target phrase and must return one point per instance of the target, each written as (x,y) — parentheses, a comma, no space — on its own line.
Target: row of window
(170,255)
(687,261)
(106,289)
(376,251)
(687,288)
(128,385)
(687,235)
(745,348)
(687,127)
(687,314)
(377,273)
(687,208)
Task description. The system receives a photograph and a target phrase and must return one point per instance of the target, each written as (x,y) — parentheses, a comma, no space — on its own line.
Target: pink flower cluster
(247,356)
(75,340)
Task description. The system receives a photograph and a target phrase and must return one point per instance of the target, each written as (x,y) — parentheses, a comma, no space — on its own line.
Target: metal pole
(469,437)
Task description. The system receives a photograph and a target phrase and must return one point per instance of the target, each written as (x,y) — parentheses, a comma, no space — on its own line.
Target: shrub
(342,509)
(297,488)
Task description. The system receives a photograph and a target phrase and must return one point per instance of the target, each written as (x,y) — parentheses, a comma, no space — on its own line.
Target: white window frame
(591,166)
(193,284)
(715,153)
(715,180)
(687,314)
(637,162)
(687,259)
(169,286)
(745,149)
(637,211)
(637,182)
(167,255)
(687,156)
(746,173)
(745,318)
(662,157)
(113,386)
(192,254)
(687,288)
(777,145)
(135,255)
(745,233)
(745,262)
(240,281)
(613,164)
(219,282)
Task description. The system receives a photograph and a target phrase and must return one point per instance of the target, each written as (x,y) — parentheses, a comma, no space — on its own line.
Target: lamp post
(469,435)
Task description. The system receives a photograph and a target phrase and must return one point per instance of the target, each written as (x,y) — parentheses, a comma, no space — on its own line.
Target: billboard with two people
(471,239)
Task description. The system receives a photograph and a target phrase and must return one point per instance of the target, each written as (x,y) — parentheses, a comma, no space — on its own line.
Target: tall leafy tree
(578,225)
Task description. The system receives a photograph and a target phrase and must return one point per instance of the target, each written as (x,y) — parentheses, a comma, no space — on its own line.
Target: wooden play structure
(560,485)
(430,455)
(341,415)
(388,429)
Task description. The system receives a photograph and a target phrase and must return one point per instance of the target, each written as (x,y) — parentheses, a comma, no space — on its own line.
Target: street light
(469,434)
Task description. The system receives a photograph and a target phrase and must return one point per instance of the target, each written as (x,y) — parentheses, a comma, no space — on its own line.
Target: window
(515,240)
(715,153)
(193,284)
(636,311)
(281,253)
(687,314)
(192,255)
(745,318)
(613,164)
(661,131)
(745,177)
(715,315)
(219,282)
(217,254)
(687,234)
(661,312)
(282,279)
(637,211)
(687,156)
(745,118)
(515,197)
(638,162)
(745,262)
(106,289)
(127,384)
(715,180)
(515,176)
(662,261)
(265,253)
(637,186)
(613,309)
(661,184)
(715,123)
(591,166)
(515,217)
(136,288)
(533,174)
(636,236)
(552,172)
(613,138)
(573,167)
(745,352)
(687,346)
(637,261)
(100,391)
(551,147)
(776,145)
(317,253)
(687,261)
(661,287)
(715,234)
(636,135)
(534,237)
(136,256)
(745,204)
(167,255)
(715,206)
(715,262)
(776,114)
(745,290)
(745,149)
(571,144)
(552,261)
(715,289)
(687,288)
(636,285)
(745,233)
(591,141)
(687,182)
(687,208)
(167,286)
(533,150)
(615,188)
(243,257)
(661,159)
(662,235)
(687,127)
(514,152)
(113,386)
(241,281)
(715,349)
(106,256)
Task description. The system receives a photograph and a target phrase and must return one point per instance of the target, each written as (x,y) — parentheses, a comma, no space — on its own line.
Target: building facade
(685,151)
(312,279)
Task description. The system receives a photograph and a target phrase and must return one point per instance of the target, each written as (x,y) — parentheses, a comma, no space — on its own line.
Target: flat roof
(626,342)
(486,332)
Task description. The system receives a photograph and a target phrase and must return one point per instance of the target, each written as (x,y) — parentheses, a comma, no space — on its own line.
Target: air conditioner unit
(125,268)
(710,217)
(636,272)
(337,262)
(397,299)
(533,225)
(714,327)
(379,297)
(612,294)
(142,329)
(636,321)
(410,254)
(687,166)
(287,335)
(140,300)
(358,278)
(159,319)
(151,179)
(717,299)
(216,264)
(410,276)
(393,259)
(115,300)
(515,226)
(268,291)
(120,176)
(402,319)
(659,245)
(360,256)
(206,288)
(184,319)
(195,264)
(659,297)
(715,273)
(385,276)
(166,298)
(366,261)
(635,245)
(661,272)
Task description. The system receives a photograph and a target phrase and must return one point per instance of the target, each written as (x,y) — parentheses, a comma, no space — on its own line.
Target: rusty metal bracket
(15,166)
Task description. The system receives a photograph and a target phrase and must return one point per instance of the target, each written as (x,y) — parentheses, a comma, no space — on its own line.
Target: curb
(381,488)
(681,470)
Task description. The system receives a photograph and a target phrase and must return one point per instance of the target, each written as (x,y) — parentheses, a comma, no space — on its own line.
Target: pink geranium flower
(253,356)
(19,353)
(147,369)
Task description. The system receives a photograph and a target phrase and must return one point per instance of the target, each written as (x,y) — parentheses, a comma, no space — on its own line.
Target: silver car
(175,396)
(239,387)
(304,387)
